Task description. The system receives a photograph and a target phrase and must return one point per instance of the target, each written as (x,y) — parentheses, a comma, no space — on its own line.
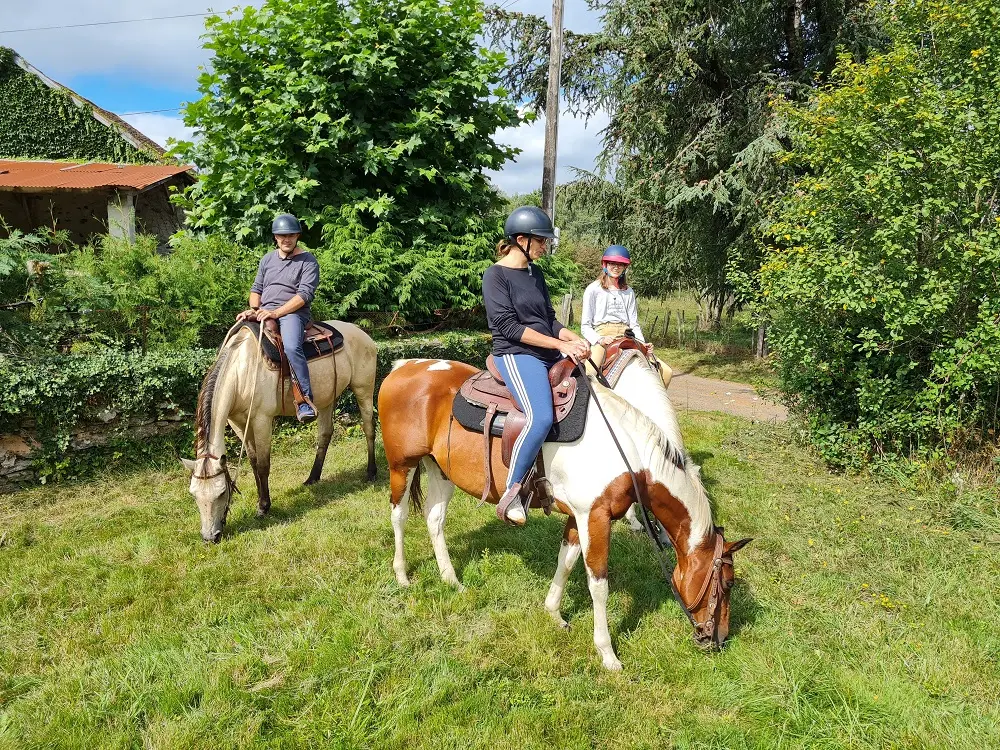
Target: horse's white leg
(400,487)
(324,431)
(595,537)
(633,520)
(439,492)
(569,553)
(262,426)
(364,393)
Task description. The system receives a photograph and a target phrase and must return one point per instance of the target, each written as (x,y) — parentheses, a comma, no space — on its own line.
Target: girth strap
(491,412)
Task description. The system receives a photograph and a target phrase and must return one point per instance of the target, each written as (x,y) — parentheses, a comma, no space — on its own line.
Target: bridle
(712,585)
(223,471)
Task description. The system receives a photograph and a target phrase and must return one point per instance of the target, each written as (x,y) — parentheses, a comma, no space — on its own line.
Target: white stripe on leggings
(522,394)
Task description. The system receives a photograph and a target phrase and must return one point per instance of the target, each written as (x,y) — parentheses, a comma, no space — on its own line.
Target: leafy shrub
(881,275)
(128,294)
(58,392)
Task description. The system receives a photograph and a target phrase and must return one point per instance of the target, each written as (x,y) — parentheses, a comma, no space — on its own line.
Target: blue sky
(141,67)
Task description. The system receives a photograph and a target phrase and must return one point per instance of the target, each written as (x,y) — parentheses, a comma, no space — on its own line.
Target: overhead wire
(106,23)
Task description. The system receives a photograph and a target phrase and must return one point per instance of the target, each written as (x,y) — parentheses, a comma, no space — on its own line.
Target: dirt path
(705,394)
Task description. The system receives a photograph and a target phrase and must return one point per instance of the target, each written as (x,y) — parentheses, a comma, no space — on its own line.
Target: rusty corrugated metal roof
(29,176)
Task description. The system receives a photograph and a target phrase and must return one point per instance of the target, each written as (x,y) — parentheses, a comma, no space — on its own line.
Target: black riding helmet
(285,224)
(529,220)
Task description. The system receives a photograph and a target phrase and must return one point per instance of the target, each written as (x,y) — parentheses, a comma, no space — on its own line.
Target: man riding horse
(285,286)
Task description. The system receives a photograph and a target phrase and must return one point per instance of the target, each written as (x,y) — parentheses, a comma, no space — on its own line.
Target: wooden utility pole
(552,111)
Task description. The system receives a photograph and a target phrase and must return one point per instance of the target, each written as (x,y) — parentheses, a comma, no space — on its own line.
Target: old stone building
(68,164)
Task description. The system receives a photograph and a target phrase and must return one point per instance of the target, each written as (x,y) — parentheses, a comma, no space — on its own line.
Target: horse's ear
(732,547)
(189,464)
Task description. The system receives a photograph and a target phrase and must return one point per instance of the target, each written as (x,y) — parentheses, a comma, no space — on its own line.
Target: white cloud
(161,127)
(165,53)
(579,145)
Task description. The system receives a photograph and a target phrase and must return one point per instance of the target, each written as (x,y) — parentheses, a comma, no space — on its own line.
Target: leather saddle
(320,340)
(617,355)
(487,390)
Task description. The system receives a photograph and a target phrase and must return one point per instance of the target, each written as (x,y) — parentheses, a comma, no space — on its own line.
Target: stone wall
(156,215)
(82,213)
(17,450)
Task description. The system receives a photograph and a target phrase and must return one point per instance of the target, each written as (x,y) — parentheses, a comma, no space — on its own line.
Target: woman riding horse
(527,340)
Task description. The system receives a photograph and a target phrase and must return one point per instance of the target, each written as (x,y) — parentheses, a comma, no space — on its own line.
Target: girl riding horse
(610,308)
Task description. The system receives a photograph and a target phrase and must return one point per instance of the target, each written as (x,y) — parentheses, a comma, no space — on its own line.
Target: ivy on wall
(37,122)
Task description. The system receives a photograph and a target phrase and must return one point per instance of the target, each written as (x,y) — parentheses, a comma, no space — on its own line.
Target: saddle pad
(321,347)
(613,373)
(472,417)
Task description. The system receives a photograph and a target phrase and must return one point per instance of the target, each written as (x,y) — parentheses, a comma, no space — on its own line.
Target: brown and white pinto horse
(589,482)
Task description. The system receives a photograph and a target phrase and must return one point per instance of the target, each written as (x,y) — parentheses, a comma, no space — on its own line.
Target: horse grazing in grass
(240,384)
(589,482)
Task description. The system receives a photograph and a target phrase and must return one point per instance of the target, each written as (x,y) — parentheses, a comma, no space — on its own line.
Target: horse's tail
(416,495)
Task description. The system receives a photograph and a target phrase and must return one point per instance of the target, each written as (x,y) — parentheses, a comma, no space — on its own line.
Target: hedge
(54,394)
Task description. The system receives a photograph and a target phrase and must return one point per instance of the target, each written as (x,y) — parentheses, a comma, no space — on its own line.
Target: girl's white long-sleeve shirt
(602,305)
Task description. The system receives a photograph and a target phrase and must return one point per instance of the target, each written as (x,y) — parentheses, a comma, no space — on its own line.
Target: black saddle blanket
(313,349)
(472,417)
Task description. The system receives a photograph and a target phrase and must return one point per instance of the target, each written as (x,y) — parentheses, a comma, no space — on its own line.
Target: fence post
(761,348)
(681,320)
(666,326)
(566,318)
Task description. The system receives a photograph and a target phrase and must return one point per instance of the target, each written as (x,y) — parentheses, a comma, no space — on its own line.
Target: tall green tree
(882,273)
(371,120)
(689,162)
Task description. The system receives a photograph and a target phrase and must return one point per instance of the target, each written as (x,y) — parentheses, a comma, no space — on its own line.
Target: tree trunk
(793,37)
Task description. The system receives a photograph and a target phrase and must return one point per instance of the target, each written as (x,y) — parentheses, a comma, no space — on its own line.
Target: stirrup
(511,496)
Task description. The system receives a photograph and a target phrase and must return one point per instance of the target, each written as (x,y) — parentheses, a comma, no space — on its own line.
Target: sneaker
(510,509)
(305,413)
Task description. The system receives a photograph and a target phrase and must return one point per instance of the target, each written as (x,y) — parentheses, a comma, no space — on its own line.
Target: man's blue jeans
(293,329)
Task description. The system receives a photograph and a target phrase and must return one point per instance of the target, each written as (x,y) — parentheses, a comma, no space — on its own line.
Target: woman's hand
(577,349)
(606,340)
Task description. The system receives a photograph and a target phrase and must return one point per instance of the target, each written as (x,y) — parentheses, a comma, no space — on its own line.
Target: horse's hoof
(262,510)
(310,481)
(558,619)
(612,664)
(371,475)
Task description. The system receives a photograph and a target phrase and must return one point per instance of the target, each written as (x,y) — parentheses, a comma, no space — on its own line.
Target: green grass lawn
(862,619)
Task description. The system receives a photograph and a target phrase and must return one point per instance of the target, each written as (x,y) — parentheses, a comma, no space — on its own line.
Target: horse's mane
(683,476)
(203,414)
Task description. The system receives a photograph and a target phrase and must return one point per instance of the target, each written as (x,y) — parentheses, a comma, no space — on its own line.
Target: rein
(224,470)
(713,581)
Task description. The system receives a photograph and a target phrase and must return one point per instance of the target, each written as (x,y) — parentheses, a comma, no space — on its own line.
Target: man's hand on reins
(263,315)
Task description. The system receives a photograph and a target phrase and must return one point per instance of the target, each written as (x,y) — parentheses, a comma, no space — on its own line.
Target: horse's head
(703,588)
(212,487)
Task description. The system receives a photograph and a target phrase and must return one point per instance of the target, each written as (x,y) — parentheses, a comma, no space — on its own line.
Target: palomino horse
(239,385)
(589,483)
